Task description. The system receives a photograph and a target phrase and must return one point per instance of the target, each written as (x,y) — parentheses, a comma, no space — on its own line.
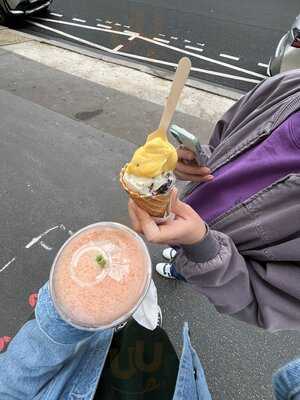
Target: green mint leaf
(100,260)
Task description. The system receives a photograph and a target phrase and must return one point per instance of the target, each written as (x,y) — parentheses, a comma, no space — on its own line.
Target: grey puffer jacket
(248,264)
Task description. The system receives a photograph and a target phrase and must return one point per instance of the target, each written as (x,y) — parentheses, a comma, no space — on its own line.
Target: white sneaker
(169,253)
(164,269)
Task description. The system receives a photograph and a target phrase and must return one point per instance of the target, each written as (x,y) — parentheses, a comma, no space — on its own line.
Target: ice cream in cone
(149,178)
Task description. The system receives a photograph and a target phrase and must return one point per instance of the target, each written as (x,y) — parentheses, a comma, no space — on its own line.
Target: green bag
(141,365)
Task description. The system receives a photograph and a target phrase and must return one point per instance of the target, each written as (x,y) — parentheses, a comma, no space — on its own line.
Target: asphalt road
(58,175)
(229,42)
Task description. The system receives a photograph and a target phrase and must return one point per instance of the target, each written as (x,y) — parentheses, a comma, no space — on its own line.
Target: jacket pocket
(270,216)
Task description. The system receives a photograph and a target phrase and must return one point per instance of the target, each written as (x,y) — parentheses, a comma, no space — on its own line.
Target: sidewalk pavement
(68,123)
(129,103)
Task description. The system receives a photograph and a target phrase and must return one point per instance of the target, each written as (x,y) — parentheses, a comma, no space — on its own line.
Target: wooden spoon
(180,78)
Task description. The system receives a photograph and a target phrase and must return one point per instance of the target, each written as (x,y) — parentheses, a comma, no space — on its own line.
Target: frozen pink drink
(100,276)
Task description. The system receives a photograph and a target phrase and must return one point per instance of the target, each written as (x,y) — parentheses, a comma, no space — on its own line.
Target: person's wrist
(198,234)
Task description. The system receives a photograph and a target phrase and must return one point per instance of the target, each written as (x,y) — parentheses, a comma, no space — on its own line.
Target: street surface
(229,42)
(59,173)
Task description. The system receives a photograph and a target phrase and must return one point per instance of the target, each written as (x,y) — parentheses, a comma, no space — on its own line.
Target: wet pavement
(229,43)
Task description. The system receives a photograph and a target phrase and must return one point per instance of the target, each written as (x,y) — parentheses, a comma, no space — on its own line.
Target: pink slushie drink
(100,276)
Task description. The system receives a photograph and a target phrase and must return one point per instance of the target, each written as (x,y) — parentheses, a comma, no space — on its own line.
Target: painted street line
(174,37)
(193,48)
(95,45)
(161,40)
(117,24)
(230,57)
(205,71)
(263,65)
(99,19)
(104,26)
(201,44)
(118,47)
(38,238)
(41,243)
(45,246)
(229,76)
(108,22)
(204,58)
(132,33)
(133,37)
(162,35)
(127,26)
(187,41)
(56,14)
(77,39)
(8,264)
(79,20)
(94,28)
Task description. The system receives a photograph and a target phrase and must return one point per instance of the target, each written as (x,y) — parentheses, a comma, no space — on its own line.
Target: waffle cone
(156,206)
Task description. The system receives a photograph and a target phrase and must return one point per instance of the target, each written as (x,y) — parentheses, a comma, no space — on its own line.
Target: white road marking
(174,37)
(45,246)
(99,19)
(212,60)
(229,56)
(133,37)
(127,26)
(162,35)
(97,46)
(193,48)
(56,14)
(104,26)
(108,22)
(94,28)
(201,44)
(224,75)
(79,20)
(161,40)
(118,47)
(38,238)
(131,33)
(205,71)
(263,65)
(8,264)
(117,24)
(187,41)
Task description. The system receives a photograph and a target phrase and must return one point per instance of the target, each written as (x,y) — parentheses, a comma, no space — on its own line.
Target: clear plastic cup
(100,276)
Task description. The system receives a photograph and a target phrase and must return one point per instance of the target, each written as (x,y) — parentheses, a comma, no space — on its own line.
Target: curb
(202,85)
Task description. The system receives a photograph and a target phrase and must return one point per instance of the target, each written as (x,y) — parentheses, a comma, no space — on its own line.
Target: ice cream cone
(156,206)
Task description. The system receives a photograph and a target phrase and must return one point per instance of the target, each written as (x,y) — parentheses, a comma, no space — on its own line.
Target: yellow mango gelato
(149,177)
(156,157)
